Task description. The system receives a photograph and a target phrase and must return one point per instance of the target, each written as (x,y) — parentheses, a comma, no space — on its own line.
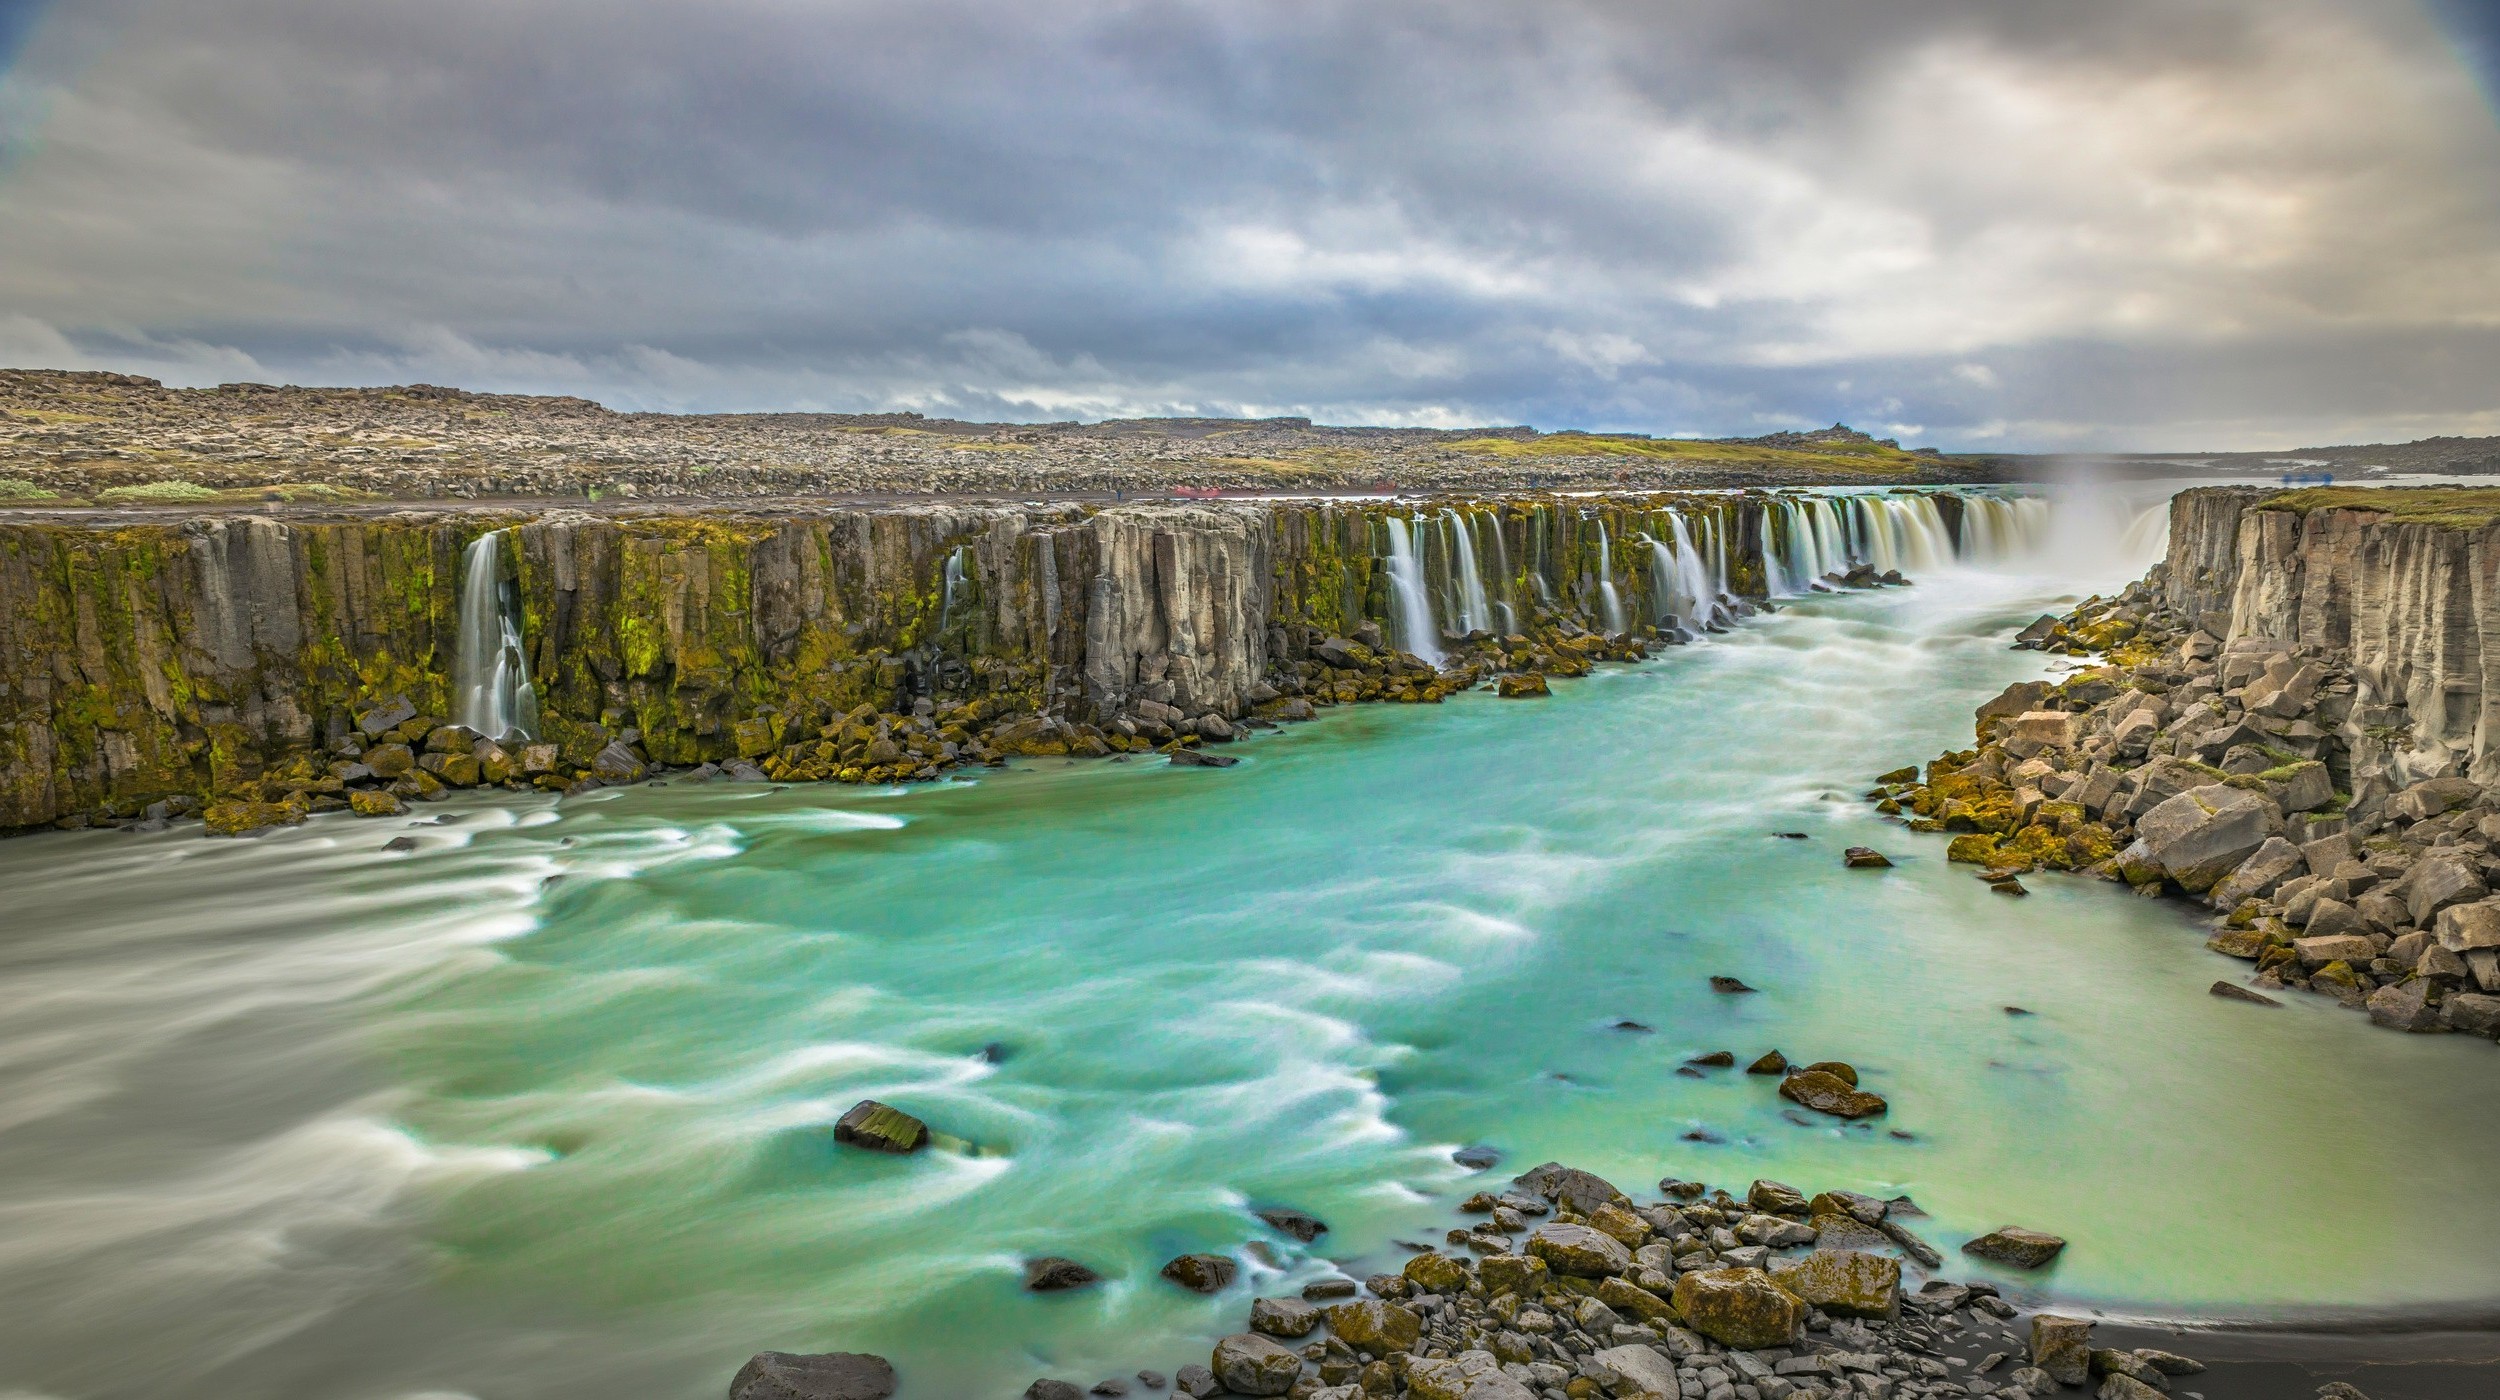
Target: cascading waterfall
(489,675)
(1613,600)
(1410,592)
(1508,615)
(1475,610)
(955,584)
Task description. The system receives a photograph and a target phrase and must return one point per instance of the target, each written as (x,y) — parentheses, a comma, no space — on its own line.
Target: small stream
(544,1109)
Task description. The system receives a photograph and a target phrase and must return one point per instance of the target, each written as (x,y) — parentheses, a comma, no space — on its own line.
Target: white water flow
(490,675)
(954,585)
(1697,592)
(1507,615)
(1411,595)
(1475,606)
(1822,536)
(1606,592)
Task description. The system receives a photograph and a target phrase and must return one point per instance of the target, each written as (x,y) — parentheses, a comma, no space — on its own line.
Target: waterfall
(1475,611)
(490,677)
(954,584)
(1408,590)
(1502,608)
(1615,625)
(1700,599)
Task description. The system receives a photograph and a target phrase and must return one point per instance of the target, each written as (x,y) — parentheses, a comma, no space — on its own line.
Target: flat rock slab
(2016,1247)
(832,1375)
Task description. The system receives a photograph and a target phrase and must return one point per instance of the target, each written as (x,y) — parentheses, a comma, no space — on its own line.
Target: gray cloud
(2140,222)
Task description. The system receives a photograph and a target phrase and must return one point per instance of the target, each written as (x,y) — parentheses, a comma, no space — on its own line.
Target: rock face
(210,658)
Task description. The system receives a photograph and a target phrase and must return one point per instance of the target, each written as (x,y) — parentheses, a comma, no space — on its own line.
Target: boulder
(1470,1375)
(376,804)
(2439,881)
(2062,1346)
(1204,1273)
(1195,1381)
(2433,797)
(832,1375)
(2232,991)
(2462,928)
(1522,1274)
(2045,729)
(1283,1317)
(879,1128)
(1435,1273)
(1844,1282)
(1571,1188)
(2016,1247)
(616,763)
(1740,1308)
(1775,1198)
(2405,1006)
(1048,1388)
(1828,1093)
(1847,1232)
(2259,875)
(1865,858)
(2299,787)
(1579,1251)
(1634,1301)
(1199,758)
(2334,947)
(1775,1232)
(1376,1325)
(250,818)
(2329,918)
(1299,1224)
(1249,1364)
(2203,834)
(1052,1274)
(1772,1063)
(1641,1370)
(2475,1013)
(1524,685)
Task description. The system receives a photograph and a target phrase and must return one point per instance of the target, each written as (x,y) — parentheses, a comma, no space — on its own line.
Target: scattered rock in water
(1377,1325)
(875,1126)
(1300,1225)
(1775,1198)
(1577,1250)
(1202,1273)
(1703,1135)
(1049,1389)
(994,1053)
(1524,685)
(1772,1063)
(1688,1072)
(1865,858)
(1152,1380)
(1113,1386)
(2019,1011)
(1194,758)
(1729,986)
(1792,836)
(1052,1274)
(1716,1059)
(400,845)
(1477,1158)
(1322,1290)
(832,1375)
(1571,1188)
(1844,1282)
(1926,1254)
(1629,1025)
(1841,1070)
(1194,1380)
(2233,991)
(2008,885)
(2016,1247)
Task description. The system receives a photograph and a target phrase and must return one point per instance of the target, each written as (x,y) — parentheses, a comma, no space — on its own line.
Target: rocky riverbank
(267,668)
(1563,1287)
(2283,730)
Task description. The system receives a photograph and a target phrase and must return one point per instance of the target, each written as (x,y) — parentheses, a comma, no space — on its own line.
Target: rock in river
(878,1128)
(1378,1327)
(1772,1063)
(1194,758)
(1844,1282)
(1729,986)
(2062,1346)
(1865,858)
(2015,1246)
(1052,1274)
(1283,1317)
(1829,1093)
(1301,1226)
(832,1375)
(2232,991)
(1525,685)
(1201,1273)
(1249,1364)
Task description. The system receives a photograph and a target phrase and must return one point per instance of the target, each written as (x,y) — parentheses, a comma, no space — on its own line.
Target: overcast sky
(1972,223)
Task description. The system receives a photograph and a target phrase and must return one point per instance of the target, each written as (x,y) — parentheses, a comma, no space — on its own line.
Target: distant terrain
(80,438)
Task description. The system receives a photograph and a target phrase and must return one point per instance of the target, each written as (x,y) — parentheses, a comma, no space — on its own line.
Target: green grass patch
(17,489)
(157,493)
(1843,456)
(2464,508)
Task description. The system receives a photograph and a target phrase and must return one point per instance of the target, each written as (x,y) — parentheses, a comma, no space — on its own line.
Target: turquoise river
(544,1109)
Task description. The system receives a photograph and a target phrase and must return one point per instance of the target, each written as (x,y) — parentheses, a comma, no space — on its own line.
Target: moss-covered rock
(1739,1308)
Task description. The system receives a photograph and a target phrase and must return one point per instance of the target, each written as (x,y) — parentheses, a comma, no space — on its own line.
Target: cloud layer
(2142,222)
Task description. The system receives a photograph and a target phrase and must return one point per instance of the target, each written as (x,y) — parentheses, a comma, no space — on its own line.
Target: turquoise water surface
(545,1108)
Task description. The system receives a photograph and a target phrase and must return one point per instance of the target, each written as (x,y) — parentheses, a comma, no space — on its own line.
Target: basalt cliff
(281,664)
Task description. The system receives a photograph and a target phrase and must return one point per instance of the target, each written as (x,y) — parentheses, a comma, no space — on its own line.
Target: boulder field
(1563,1287)
(2288,727)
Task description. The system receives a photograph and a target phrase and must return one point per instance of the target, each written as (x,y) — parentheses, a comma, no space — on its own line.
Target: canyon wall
(2411,602)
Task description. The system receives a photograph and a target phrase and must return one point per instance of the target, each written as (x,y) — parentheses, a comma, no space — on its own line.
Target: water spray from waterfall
(490,678)
(1475,608)
(955,584)
(1613,600)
